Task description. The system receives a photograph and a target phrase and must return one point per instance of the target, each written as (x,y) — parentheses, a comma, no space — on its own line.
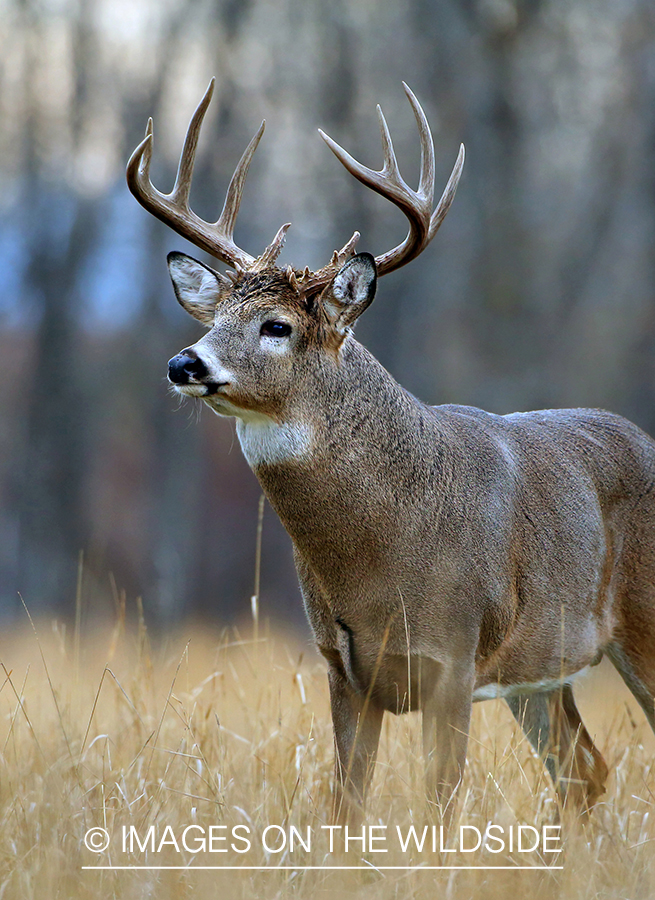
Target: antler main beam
(416,205)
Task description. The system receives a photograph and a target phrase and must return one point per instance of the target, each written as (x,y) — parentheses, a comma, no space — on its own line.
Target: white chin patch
(191,390)
(263,440)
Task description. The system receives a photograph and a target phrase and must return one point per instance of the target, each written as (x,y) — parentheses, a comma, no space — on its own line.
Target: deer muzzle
(186,366)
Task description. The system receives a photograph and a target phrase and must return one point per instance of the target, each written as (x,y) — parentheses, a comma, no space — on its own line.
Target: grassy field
(211,728)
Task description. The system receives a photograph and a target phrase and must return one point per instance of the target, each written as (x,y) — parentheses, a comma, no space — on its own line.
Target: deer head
(265,321)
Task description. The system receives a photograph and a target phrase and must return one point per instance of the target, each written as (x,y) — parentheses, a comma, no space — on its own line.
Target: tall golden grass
(216,728)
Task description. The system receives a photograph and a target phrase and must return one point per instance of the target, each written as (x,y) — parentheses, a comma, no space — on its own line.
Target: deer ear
(197,287)
(352,290)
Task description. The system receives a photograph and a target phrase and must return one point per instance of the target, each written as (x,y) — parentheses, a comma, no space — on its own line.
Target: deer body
(424,518)
(445,555)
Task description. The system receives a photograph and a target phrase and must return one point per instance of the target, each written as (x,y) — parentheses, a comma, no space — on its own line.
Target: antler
(216,238)
(416,205)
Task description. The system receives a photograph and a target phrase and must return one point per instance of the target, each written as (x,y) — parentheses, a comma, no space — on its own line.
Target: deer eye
(274,328)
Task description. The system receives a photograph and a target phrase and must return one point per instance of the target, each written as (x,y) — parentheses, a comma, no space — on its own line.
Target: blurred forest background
(539,290)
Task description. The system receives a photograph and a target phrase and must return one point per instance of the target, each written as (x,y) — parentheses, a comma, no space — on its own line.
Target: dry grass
(209,728)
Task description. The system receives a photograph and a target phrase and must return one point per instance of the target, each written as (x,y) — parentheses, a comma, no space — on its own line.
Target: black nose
(185,364)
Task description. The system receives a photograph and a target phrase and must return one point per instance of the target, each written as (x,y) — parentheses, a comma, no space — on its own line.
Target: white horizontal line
(368,868)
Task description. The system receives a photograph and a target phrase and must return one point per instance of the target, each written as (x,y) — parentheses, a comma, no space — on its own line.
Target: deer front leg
(446,712)
(356,721)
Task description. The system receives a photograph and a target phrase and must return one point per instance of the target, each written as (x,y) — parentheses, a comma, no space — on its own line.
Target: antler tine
(270,255)
(180,192)
(227,219)
(390,169)
(448,195)
(426,181)
(416,205)
(348,248)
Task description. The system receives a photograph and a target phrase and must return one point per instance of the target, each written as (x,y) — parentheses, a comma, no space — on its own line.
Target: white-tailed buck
(445,554)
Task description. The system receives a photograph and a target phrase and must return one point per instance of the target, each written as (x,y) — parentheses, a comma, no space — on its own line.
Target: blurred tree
(538,290)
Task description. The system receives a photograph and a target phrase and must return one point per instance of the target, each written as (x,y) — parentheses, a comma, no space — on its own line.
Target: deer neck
(351,442)
(337,414)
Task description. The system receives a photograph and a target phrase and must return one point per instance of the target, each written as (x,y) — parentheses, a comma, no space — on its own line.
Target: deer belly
(496,691)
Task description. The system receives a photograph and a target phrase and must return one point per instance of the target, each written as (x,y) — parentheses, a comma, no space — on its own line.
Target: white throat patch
(265,442)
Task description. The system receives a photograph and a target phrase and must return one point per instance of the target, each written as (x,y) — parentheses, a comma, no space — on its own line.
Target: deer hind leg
(629,664)
(553,726)
(632,651)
